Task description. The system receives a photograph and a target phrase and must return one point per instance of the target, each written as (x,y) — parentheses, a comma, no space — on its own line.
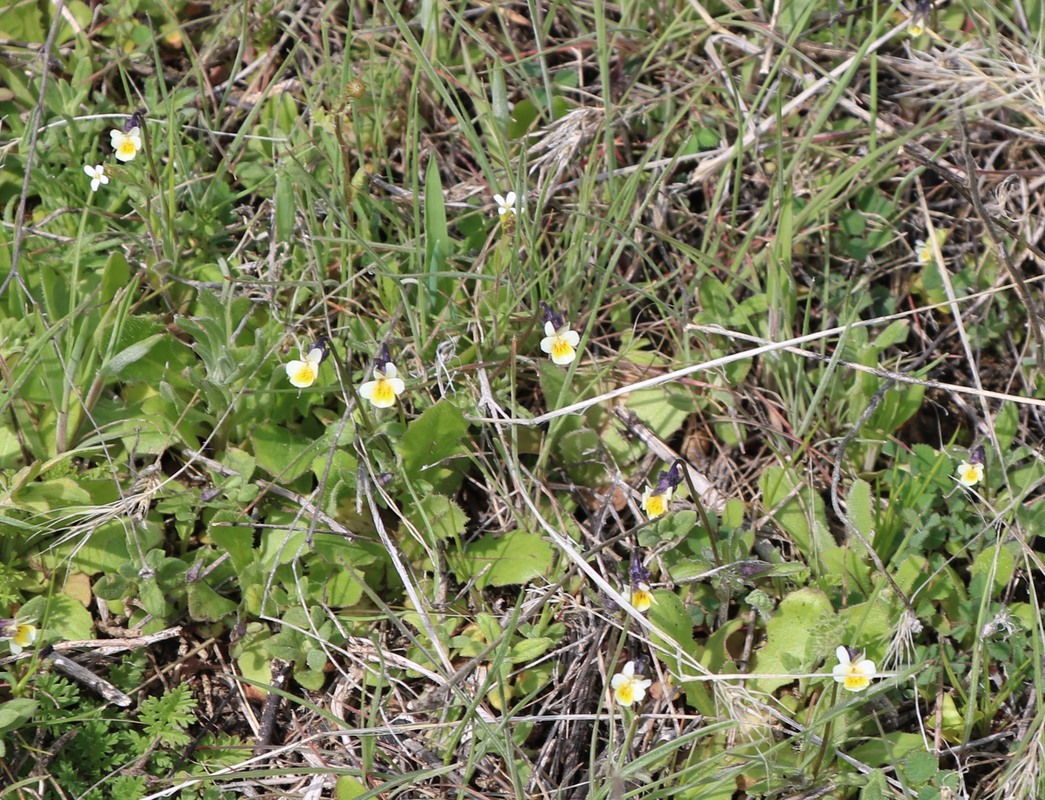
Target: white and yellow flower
(126,143)
(97,175)
(923,251)
(19,634)
(303,373)
(560,343)
(970,473)
(853,675)
(919,18)
(383,390)
(642,596)
(505,204)
(656,503)
(656,500)
(629,688)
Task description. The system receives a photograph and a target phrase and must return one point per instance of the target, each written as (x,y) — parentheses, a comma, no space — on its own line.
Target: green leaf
(348,788)
(48,495)
(898,405)
(663,410)
(252,656)
(339,466)
(310,679)
(1006,424)
(896,333)
(688,570)
(788,636)
(437,237)
(852,223)
(504,559)
(236,540)
(715,299)
(431,439)
(337,588)
(438,515)
(282,452)
(286,206)
(129,355)
(126,787)
(580,453)
(24,22)
(717,656)
(59,617)
(241,462)
(998,558)
(15,713)
(153,599)
(116,276)
(106,549)
(733,515)
(316,659)
(800,513)
(279,545)
(921,767)
(674,527)
(207,605)
(112,587)
(890,748)
(871,621)
(669,615)
(165,718)
(499,96)
(859,507)
(529,649)
(524,114)
(876,788)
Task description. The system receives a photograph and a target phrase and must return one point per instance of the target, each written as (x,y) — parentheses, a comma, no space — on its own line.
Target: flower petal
(301,374)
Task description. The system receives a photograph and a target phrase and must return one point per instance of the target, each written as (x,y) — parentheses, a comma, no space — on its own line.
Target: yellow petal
(302,374)
(655,506)
(625,693)
(856,683)
(641,600)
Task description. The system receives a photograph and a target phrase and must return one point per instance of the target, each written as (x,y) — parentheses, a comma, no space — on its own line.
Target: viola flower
(656,504)
(559,341)
(20,634)
(383,390)
(97,175)
(126,143)
(629,688)
(656,500)
(303,373)
(919,18)
(641,594)
(970,473)
(923,251)
(853,675)
(505,205)
(641,597)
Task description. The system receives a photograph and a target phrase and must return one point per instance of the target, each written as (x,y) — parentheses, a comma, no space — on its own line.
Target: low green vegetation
(549,400)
